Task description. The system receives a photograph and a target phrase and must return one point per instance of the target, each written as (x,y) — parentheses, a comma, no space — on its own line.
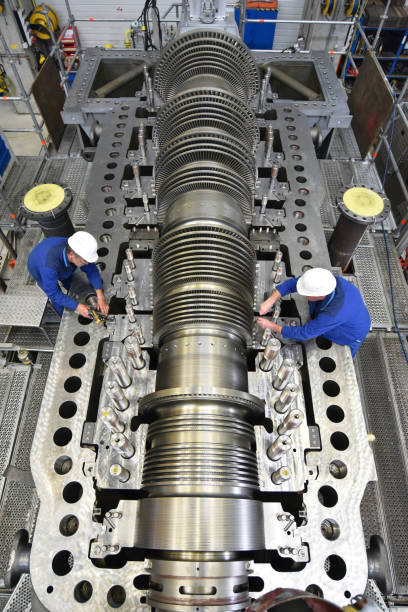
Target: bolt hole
(83,591)
(335,414)
(338,469)
(323,343)
(72,492)
(62,563)
(50,589)
(69,525)
(327,496)
(72,384)
(331,388)
(67,410)
(84,320)
(77,361)
(305,241)
(63,465)
(301,227)
(339,441)
(330,529)
(116,596)
(81,338)
(304,254)
(335,567)
(315,590)
(327,364)
(62,436)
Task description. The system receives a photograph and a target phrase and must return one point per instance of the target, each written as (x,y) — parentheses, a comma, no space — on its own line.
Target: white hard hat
(316,282)
(84,245)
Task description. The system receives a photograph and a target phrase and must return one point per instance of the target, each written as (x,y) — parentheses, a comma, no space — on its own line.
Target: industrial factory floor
(380,364)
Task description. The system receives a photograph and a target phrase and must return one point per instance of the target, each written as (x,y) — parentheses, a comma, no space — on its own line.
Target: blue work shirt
(341,317)
(48,264)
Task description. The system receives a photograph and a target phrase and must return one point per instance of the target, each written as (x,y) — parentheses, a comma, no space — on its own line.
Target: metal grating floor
(369,283)
(340,173)
(380,369)
(20,179)
(13,384)
(19,502)
(20,600)
(71,172)
(344,145)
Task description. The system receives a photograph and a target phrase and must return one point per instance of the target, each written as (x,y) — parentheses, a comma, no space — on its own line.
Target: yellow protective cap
(363,201)
(43,198)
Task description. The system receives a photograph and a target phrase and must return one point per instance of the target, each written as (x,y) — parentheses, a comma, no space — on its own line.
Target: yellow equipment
(39,23)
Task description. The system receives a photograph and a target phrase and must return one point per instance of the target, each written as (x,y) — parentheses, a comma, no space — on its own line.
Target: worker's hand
(83,310)
(102,305)
(267,304)
(264,323)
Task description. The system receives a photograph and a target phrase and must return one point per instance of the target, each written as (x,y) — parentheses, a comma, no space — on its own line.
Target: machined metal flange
(363,204)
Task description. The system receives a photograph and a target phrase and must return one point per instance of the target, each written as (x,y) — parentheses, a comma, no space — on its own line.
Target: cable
(150,5)
(385,235)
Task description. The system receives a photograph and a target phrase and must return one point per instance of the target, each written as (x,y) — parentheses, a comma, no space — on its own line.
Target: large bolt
(129,270)
(278,259)
(279,448)
(278,273)
(135,353)
(268,144)
(142,140)
(270,353)
(286,398)
(130,312)
(121,445)
(118,472)
(138,333)
(281,475)
(266,335)
(130,257)
(132,295)
(292,420)
(286,370)
(112,421)
(276,313)
(115,393)
(118,369)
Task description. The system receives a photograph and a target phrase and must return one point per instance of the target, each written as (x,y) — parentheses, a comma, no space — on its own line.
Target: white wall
(94,34)
(98,34)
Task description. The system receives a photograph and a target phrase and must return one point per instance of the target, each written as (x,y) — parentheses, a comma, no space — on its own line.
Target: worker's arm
(94,278)
(288,286)
(316,327)
(49,284)
(93,275)
(285,288)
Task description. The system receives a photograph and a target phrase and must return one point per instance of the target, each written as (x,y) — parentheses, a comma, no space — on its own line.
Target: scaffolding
(353,25)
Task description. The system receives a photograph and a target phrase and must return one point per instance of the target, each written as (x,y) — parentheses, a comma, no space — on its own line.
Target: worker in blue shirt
(55,260)
(336,307)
